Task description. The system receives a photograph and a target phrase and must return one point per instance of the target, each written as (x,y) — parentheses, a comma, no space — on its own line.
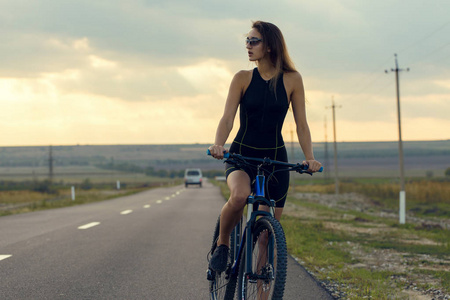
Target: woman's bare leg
(278,211)
(262,252)
(239,185)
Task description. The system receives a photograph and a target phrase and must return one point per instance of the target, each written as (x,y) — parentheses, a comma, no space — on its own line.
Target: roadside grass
(26,201)
(320,251)
(438,251)
(365,255)
(23,201)
(314,244)
(366,284)
(425,197)
(445,275)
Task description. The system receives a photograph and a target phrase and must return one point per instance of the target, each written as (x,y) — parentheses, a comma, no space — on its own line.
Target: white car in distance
(193,177)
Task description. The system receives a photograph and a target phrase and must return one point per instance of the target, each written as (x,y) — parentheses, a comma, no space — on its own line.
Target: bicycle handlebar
(300,168)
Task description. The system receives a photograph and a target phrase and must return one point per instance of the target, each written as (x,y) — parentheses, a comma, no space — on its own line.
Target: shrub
(44,186)
(86,184)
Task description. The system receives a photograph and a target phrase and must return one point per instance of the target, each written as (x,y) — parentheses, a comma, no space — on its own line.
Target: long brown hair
(273,39)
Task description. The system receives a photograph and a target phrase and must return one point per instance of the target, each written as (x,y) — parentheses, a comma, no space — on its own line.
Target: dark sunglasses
(253,41)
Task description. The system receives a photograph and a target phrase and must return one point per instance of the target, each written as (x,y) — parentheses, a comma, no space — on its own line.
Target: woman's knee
(238,198)
(239,184)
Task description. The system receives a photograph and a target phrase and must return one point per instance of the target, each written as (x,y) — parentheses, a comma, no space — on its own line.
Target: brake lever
(304,172)
(302,169)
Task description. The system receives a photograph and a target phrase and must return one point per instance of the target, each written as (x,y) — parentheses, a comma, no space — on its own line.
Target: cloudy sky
(157,72)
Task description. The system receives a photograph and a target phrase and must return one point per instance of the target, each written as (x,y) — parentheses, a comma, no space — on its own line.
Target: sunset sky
(158,72)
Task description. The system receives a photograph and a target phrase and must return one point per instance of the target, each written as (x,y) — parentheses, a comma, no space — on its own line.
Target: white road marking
(147,206)
(158,201)
(167,198)
(2,257)
(89,225)
(126,212)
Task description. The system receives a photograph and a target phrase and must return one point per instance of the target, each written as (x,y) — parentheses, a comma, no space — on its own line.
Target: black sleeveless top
(262,114)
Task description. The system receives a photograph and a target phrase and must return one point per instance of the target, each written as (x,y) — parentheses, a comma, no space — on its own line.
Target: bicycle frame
(258,198)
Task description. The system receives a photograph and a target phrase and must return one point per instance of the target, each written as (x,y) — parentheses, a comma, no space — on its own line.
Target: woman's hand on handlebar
(217,151)
(314,165)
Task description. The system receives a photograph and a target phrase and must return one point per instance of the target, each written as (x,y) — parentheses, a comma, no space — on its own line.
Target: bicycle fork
(252,207)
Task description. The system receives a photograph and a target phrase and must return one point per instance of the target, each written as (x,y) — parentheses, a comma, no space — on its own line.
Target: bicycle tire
(273,286)
(222,286)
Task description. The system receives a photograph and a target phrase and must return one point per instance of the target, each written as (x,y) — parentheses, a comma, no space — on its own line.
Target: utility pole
(292,156)
(50,164)
(402,204)
(336,178)
(326,149)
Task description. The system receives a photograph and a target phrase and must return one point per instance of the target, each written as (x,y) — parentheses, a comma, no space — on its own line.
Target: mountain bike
(258,254)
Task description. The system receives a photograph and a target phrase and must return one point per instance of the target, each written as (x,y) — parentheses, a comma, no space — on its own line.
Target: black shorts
(278,184)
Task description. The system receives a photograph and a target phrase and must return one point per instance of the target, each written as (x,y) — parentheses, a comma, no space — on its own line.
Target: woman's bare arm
(226,122)
(299,110)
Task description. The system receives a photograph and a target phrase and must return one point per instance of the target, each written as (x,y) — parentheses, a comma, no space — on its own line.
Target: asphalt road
(151,245)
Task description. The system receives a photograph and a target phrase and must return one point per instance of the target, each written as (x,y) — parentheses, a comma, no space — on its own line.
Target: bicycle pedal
(251,280)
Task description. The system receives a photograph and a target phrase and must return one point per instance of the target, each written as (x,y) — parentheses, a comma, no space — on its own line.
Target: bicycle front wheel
(222,285)
(267,277)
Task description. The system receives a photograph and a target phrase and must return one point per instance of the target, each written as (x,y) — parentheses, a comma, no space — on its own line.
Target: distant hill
(363,158)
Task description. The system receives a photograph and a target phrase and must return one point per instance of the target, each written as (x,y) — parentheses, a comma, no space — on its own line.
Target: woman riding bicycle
(264,95)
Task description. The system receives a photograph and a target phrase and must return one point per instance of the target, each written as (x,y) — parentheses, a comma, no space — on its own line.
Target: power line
(367,86)
(420,41)
(388,84)
(426,37)
(380,89)
(376,72)
(432,52)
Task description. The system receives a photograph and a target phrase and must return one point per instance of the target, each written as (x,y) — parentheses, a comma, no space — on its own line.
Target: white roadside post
(73,193)
(118,184)
(402,213)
